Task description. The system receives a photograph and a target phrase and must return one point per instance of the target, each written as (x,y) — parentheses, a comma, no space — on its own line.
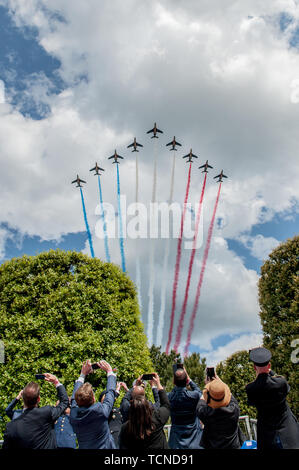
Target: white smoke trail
(160,327)
(138,275)
(150,313)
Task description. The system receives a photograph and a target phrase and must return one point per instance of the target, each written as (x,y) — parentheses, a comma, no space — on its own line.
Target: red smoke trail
(203,267)
(177,263)
(183,312)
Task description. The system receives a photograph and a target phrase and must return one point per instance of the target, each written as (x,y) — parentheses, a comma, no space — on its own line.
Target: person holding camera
(277,427)
(89,418)
(34,428)
(219,412)
(144,428)
(115,419)
(185,432)
(138,389)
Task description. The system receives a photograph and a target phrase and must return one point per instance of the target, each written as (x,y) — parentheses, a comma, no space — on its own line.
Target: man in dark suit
(186,429)
(34,428)
(277,427)
(88,418)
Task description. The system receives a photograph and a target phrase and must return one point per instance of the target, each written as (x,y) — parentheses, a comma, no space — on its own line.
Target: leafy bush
(279,302)
(60,308)
(236,371)
(194,365)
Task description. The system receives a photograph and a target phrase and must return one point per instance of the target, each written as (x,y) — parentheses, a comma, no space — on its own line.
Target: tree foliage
(236,371)
(279,313)
(163,363)
(60,308)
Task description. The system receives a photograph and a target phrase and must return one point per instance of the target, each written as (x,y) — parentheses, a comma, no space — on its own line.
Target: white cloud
(243,342)
(2,92)
(260,247)
(218,75)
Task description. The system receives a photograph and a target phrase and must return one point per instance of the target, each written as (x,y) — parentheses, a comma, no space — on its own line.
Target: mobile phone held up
(40,376)
(147,377)
(177,366)
(210,373)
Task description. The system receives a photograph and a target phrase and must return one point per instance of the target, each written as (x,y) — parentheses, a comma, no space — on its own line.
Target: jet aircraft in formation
(190,155)
(97,169)
(135,145)
(220,176)
(154,130)
(205,166)
(173,143)
(78,181)
(115,156)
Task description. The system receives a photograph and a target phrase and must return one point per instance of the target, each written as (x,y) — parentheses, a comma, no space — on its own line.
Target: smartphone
(210,373)
(95,366)
(147,377)
(177,366)
(40,376)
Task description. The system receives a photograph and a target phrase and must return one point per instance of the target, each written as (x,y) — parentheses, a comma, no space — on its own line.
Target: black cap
(260,356)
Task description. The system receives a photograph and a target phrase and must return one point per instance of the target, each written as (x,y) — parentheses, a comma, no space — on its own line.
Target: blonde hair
(84,395)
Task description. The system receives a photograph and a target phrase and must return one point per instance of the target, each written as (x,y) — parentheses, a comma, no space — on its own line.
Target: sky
(81,79)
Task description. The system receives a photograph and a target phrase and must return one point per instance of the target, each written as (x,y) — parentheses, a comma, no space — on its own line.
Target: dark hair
(140,423)
(180,378)
(31,394)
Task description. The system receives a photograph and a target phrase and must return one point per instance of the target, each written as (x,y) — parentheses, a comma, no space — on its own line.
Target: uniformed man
(277,427)
(65,435)
(115,420)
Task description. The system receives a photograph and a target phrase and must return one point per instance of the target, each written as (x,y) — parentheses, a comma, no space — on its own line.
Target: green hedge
(59,308)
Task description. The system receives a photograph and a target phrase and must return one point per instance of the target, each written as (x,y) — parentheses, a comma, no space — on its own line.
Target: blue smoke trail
(121,237)
(86,223)
(104,222)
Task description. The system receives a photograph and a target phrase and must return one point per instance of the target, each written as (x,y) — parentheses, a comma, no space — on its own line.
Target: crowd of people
(200,419)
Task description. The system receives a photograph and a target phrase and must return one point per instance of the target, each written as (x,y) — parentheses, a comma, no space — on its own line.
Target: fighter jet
(115,156)
(205,166)
(78,181)
(135,145)
(97,168)
(190,155)
(154,130)
(173,143)
(220,176)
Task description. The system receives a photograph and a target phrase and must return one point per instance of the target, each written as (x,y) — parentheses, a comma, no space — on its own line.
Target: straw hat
(217,393)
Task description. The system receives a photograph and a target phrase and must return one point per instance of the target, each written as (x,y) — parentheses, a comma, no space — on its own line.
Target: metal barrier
(249,425)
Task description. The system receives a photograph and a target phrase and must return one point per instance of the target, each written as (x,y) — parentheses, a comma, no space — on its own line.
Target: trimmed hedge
(59,308)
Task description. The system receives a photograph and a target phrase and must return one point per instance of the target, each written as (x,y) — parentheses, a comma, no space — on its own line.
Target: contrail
(203,267)
(150,318)
(183,312)
(138,275)
(160,327)
(86,223)
(177,263)
(121,236)
(104,221)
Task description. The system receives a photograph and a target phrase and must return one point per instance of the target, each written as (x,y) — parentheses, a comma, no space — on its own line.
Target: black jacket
(221,425)
(276,424)
(34,428)
(157,439)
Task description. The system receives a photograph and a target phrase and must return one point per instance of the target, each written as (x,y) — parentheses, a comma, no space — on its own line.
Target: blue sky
(56,72)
